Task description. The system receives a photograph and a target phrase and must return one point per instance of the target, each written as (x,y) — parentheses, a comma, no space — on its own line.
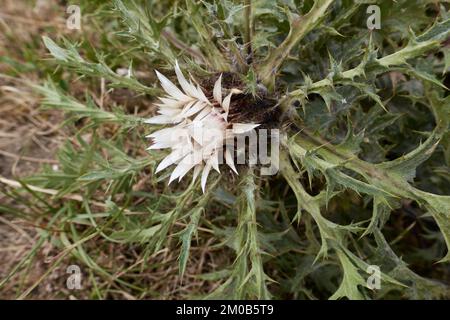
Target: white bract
(199,130)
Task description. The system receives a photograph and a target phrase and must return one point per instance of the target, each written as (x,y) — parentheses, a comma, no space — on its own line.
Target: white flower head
(198,128)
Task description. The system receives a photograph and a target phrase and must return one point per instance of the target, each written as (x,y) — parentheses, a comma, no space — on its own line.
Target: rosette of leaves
(364,176)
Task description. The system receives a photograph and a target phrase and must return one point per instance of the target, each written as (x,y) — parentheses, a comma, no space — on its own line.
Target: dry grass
(29,138)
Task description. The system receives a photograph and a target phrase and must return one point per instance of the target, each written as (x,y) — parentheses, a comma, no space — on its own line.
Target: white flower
(199,128)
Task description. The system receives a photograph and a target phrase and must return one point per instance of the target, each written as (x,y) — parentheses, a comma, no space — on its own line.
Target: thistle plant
(363,176)
(200,131)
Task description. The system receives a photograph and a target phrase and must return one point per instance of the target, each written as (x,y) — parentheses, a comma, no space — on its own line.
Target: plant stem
(300,26)
(248,26)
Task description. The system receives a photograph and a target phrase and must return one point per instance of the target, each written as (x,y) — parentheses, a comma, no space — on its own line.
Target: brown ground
(28,137)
